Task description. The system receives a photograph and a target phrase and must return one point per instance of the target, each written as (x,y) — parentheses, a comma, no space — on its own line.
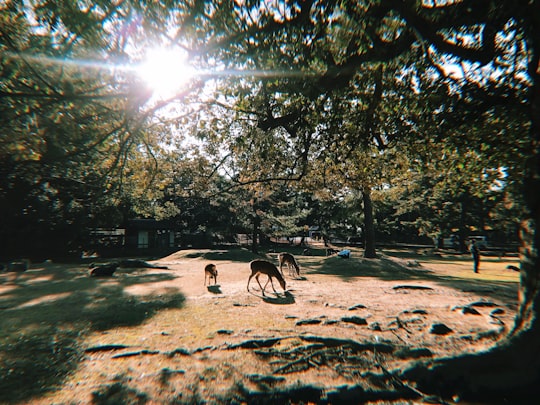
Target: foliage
(68,128)
(322,88)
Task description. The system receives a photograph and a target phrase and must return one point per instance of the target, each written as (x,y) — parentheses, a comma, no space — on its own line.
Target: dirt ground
(226,342)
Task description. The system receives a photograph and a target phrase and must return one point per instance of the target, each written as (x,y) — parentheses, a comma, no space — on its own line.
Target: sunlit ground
(52,314)
(492,268)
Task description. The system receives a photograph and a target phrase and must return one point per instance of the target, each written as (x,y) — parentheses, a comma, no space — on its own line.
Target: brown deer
(259,267)
(290,261)
(210,272)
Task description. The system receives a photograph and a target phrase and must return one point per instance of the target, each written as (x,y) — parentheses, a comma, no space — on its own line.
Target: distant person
(475,252)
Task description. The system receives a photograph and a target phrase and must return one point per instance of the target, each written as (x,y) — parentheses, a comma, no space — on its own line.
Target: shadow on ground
(47,311)
(235,255)
(286,299)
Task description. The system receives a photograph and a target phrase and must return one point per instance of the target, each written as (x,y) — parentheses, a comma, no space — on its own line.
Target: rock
(483,304)
(440,329)
(357,306)
(354,319)
(132,354)
(181,351)
(102,348)
(376,326)
(411,287)
(470,310)
(331,321)
(308,322)
(416,311)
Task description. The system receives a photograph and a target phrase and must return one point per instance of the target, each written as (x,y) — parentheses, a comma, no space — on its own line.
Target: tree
(497,46)
(452,194)
(73,128)
(304,52)
(49,116)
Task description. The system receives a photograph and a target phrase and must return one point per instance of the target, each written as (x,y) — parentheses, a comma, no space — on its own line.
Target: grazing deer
(290,261)
(259,267)
(210,272)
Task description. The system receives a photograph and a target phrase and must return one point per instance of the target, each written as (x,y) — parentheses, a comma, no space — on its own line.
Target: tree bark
(369,227)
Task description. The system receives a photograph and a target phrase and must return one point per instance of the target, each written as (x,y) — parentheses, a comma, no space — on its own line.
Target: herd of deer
(259,267)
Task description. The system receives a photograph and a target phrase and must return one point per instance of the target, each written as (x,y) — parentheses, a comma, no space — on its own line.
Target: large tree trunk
(511,370)
(369,227)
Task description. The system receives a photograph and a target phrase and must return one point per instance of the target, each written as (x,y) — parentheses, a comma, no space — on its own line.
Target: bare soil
(342,323)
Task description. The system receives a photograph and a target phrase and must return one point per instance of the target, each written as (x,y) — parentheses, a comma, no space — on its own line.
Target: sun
(165,71)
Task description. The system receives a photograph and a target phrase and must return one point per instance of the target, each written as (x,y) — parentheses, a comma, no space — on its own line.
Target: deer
(210,272)
(259,267)
(290,261)
(103,270)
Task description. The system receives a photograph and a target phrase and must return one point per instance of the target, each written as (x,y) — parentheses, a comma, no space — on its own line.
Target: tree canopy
(322,93)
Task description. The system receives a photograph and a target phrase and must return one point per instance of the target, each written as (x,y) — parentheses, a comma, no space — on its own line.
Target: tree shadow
(235,255)
(381,268)
(47,311)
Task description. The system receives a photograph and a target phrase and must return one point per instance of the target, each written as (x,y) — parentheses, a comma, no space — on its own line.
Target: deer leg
(262,289)
(249,279)
(271,283)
